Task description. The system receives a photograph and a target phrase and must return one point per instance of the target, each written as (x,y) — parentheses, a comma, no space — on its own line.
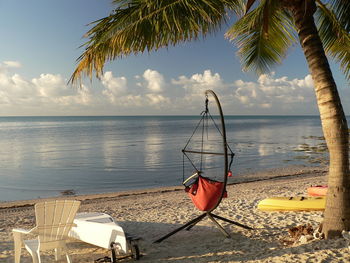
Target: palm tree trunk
(334,124)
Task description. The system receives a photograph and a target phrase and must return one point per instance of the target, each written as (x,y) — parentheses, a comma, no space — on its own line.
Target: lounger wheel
(135,251)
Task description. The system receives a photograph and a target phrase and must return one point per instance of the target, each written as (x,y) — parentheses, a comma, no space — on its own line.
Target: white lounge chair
(101,230)
(54,219)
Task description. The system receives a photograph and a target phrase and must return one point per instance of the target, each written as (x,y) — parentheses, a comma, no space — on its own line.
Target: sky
(41,39)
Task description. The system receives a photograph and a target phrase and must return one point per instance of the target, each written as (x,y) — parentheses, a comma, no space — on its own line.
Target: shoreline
(271,174)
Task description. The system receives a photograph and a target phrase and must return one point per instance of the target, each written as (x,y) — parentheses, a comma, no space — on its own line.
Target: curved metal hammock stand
(194,183)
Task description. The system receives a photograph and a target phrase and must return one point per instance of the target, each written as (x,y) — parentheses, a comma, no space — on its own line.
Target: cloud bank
(152,93)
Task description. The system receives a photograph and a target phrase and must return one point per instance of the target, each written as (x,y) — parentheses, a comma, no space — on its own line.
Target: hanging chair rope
(203,123)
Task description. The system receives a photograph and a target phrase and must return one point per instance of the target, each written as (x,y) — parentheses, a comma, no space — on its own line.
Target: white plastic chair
(54,219)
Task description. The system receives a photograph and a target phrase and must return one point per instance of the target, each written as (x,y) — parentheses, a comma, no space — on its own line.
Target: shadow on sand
(203,243)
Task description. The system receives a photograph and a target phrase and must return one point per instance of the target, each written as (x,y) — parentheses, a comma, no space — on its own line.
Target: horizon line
(169,115)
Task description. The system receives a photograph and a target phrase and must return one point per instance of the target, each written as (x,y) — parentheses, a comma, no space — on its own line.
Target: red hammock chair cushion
(205,193)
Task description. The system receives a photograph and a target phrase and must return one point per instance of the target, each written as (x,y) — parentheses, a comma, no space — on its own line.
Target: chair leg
(226,234)
(58,253)
(196,220)
(212,217)
(35,256)
(194,223)
(232,222)
(69,260)
(18,246)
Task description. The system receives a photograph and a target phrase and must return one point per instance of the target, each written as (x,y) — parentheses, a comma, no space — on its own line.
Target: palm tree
(263,32)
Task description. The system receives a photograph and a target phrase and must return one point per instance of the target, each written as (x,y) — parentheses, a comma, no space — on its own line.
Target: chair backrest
(54,219)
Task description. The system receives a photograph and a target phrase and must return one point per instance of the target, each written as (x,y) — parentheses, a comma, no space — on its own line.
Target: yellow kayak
(292,204)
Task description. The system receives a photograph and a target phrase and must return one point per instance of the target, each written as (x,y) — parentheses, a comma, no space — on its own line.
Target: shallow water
(42,156)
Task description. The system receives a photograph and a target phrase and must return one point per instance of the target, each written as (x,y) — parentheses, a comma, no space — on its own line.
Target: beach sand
(150,214)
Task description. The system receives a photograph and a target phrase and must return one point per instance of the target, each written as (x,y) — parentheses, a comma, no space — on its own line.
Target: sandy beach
(152,213)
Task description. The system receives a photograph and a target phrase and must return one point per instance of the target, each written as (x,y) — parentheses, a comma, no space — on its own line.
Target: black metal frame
(209,213)
(196,220)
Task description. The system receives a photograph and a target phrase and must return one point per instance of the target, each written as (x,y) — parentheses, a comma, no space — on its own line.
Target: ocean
(45,156)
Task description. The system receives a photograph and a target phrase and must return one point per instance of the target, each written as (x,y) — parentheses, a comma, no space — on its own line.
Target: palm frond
(249,5)
(137,26)
(260,51)
(238,7)
(335,38)
(342,10)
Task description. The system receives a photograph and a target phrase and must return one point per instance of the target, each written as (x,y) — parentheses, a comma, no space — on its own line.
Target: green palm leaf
(334,36)
(342,9)
(146,25)
(259,46)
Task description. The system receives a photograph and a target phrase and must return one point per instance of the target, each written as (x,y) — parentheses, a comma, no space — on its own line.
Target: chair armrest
(18,237)
(21,230)
(24,231)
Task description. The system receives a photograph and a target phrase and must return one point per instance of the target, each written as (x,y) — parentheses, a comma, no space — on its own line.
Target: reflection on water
(265,150)
(42,156)
(152,151)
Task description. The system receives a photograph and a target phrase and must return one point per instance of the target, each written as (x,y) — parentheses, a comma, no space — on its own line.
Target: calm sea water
(42,156)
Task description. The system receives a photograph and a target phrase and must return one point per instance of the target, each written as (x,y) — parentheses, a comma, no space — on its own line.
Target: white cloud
(12,64)
(150,93)
(49,86)
(278,94)
(198,83)
(267,95)
(115,87)
(16,90)
(156,99)
(44,95)
(141,95)
(155,80)
(132,101)
(52,89)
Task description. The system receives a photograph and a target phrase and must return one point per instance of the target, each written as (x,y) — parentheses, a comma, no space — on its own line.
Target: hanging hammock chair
(206,159)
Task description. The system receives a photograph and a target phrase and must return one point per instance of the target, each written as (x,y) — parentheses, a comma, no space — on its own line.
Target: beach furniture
(206,190)
(101,230)
(54,219)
